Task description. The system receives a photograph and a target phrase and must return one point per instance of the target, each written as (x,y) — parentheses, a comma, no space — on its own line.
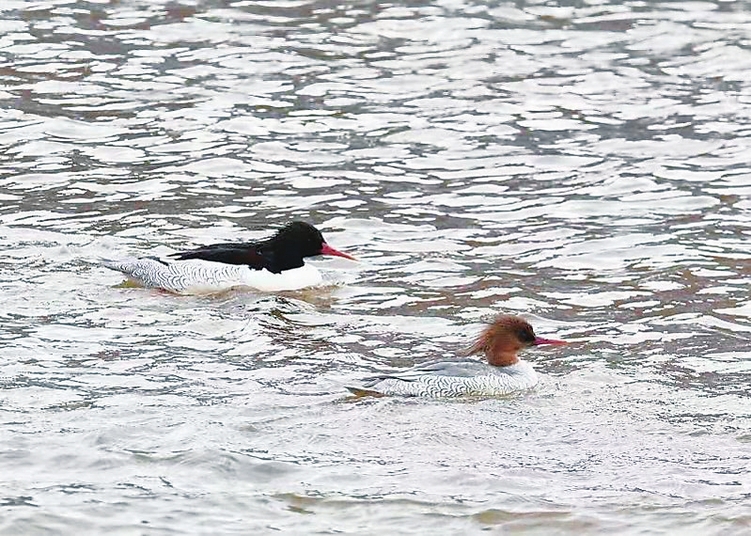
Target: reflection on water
(582,164)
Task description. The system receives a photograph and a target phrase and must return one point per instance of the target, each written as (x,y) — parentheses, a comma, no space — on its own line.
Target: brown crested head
(504,337)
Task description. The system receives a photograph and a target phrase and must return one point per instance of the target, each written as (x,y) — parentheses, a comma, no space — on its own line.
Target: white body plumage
(455,379)
(197,276)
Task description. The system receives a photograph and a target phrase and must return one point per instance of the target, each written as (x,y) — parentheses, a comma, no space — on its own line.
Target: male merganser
(269,265)
(504,372)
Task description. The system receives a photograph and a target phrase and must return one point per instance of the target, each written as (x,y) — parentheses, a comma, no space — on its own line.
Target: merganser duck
(269,265)
(504,372)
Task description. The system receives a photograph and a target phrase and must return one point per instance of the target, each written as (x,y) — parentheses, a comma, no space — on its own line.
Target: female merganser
(504,372)
(269,265)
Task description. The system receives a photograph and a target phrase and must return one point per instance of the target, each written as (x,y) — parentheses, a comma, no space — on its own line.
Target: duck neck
(502,359)
(279,259)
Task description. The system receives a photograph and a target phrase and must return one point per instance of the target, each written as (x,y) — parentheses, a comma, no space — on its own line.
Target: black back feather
(283,251)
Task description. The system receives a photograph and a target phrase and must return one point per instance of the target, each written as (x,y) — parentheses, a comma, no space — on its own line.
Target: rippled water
(585,164)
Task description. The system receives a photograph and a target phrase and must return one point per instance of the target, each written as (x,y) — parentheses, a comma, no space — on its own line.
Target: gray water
(584,164)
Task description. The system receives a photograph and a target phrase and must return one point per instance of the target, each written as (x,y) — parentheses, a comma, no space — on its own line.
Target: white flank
(492,381)
(204,277)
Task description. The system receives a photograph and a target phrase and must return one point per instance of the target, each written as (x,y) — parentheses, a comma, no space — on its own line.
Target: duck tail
(361,392)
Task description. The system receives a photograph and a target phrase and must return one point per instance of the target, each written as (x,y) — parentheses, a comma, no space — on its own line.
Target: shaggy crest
(503,338)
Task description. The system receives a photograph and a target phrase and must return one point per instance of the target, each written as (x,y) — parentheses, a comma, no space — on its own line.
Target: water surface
(582,164)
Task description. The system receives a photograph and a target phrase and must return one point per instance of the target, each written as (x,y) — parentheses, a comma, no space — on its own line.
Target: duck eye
(526,336)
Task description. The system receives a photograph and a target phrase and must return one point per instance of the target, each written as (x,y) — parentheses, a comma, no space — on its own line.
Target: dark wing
(462,368)
(229,254)
(459,367)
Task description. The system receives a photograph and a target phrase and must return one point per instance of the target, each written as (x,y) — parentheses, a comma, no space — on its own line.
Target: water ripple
(583,165)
